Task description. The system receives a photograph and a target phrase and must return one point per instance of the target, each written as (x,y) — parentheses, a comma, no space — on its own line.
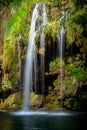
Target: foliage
(57,82)
(72,4)
(12,102)
(51,106)
(83,49)
(15,3)
(12,28)
(19,102)
(38,1)
(35,100)
(79,73)
(51,29)
(51,98)
(13,24)
(76,29)
(72,103)
(6,83)
(75,26)
(33,96)
(76,70)
(77,4)
(54,66)
(6,3)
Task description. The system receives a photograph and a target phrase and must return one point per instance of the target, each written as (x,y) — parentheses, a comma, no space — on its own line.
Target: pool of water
(43,120)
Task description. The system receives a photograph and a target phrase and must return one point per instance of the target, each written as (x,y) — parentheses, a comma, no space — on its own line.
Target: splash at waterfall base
(48,97)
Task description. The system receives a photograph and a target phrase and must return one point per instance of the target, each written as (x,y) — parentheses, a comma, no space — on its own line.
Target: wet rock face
(36,101)
(1,74)
(11,103)
(5,14)
(1,33)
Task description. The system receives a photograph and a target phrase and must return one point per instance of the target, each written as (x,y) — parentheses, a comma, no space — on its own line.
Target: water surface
(43,121)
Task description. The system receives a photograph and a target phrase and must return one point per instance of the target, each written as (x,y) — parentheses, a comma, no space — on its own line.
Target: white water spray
(29,60)
(61,46)
(42,61)
(42,40)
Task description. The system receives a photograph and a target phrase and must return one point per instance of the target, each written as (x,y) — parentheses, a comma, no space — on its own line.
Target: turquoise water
(43,121)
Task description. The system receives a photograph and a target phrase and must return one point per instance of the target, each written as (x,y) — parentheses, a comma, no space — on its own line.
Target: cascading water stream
(35,74)
(42,61)
(42,39)
(44,15)
(61,46)
(29,60)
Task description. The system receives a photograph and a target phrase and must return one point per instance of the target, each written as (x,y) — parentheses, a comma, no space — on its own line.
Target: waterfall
(61,49)
(29,60)
(35,74)
(42,39)
(68,13)
(44,15)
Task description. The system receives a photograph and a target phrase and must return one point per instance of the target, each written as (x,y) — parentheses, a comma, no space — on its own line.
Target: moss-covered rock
(51,28)
(36,101)
(11,103)
(6,83)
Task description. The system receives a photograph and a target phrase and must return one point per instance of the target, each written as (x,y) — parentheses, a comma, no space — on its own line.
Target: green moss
(50,98)
(77,4)
(13,24)
(73,103)
(19,102)
(12,29)
(51,29)
(33,96)
(76,68)
(6,83)
(54,66)
(75,26)
(51,106)
(56,82)
(12,102)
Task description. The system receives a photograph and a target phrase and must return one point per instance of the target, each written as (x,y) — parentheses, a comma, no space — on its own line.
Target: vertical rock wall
(4,15)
